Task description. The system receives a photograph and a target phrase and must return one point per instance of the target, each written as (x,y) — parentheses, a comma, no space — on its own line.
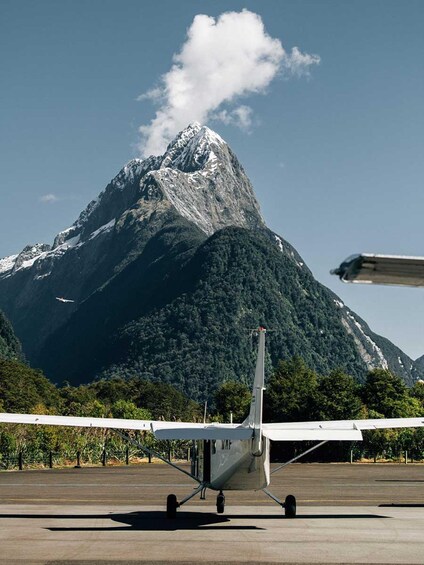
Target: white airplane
(231,456)
(382,269)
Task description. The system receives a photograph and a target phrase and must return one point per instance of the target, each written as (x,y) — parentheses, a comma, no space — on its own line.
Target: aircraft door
(194,459)
(204,461)
(207,461)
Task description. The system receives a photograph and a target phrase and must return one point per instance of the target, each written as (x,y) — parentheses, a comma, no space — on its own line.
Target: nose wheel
(220,503)
(171,506)
(290,506)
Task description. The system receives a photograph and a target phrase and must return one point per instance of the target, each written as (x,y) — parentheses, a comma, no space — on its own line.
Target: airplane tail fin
(254,420)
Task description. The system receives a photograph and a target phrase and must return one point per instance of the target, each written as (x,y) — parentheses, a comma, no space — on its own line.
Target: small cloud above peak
(48,198)
(221,60)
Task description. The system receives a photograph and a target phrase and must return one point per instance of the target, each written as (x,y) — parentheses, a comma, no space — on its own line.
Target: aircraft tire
(171,506)
(220,503)
(290,506)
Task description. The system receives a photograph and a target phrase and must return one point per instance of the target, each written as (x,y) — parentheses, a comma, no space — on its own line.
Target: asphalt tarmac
(346,514)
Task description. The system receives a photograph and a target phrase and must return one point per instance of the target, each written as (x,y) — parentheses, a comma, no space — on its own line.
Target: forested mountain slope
(10,348)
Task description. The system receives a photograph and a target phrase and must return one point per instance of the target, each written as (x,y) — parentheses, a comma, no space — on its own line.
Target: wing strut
(298,456)
(155,454)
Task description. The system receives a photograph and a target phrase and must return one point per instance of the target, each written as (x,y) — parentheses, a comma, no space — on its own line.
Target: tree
(338,397)
(417,391)
(292,393)
(128,410)
(388,395)
(234,397)
(21,387)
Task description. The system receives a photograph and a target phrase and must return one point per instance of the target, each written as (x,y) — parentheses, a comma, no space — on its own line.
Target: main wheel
(171,506)
(220,503)
(290,506)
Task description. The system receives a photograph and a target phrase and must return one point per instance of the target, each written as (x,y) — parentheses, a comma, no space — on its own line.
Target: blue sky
(336,158)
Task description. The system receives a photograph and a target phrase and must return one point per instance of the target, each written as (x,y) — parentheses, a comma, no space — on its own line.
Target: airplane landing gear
(220,503)
(171,506)
(290,506)
(172,503)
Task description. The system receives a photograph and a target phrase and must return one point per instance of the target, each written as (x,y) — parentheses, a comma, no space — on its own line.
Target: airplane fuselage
(231,465)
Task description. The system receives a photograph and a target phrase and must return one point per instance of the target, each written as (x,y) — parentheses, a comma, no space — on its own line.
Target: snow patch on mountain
(7,263)
(102,229)
(279,243)
(372,355)
(39,252)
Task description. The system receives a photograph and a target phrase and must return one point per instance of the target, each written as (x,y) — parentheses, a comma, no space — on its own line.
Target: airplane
(371,268)
(231,456)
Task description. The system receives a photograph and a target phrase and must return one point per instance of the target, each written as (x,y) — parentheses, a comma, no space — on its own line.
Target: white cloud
(222,59)
(48,198)
(240,117)
(298,63)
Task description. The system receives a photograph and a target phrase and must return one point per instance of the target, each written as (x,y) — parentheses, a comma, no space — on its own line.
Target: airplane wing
(349,430)
(382,269)
(345,430)
(162,430)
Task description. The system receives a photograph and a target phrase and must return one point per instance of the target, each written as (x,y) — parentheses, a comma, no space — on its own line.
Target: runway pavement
(346,514)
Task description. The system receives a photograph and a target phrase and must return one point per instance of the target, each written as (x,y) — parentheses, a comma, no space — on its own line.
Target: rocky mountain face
(142,281)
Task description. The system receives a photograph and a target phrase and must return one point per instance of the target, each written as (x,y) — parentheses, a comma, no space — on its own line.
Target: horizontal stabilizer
(343,430)
(200,431)
(316,434)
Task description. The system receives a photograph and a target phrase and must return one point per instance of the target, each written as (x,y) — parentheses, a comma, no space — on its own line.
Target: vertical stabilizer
(254,419)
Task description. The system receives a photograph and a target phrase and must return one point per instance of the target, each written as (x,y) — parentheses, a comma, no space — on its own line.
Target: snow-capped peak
(198,175)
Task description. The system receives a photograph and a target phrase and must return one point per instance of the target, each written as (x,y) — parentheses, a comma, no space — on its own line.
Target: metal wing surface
(382,269)
(162,430)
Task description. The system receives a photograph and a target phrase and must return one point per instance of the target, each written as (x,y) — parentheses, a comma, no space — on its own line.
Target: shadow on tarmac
(399,480)
(401,505)
(157,520)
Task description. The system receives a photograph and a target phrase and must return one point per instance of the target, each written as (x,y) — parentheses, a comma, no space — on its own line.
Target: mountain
(418,368)
(10,348)
(198,181)
(164,274)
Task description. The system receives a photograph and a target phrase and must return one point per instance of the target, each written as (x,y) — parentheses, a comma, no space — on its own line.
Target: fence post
(127,456)
(20,461)
(406,457)
(50,460)
(351,456)
(104,457)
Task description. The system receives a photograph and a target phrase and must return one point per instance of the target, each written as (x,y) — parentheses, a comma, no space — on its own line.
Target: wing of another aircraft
(382,269)
(334,429)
